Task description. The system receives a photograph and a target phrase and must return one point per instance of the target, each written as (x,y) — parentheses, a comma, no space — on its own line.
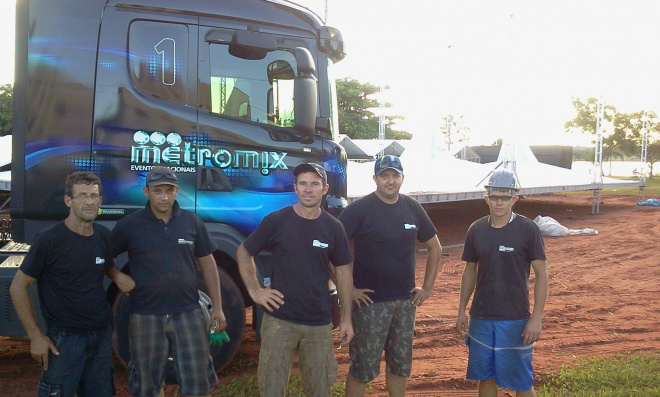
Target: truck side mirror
(305,93)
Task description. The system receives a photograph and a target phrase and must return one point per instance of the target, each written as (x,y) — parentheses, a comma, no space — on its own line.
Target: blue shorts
(497,352)
(84,366)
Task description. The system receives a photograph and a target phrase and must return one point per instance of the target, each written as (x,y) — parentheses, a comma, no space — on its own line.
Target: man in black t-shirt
(385,226)
(166,245)
(499,250)
(303,240)
(68,260)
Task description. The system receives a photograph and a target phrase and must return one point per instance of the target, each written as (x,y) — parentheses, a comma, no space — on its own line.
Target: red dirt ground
(603,299)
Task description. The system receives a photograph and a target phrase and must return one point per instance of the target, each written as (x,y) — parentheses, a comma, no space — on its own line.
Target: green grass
(652,189)
(620,376)
(630,375)
(247,386)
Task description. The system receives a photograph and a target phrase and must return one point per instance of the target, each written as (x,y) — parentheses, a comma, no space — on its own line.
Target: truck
(230,94)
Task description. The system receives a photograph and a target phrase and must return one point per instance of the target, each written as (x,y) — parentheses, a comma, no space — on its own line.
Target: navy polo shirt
(384,237)
(69,269)
(162,258)
(301,250)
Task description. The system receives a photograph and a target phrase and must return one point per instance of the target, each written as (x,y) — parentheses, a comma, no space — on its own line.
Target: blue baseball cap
(388,162)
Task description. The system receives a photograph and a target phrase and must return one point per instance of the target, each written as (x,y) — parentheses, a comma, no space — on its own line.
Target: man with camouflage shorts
(385,226)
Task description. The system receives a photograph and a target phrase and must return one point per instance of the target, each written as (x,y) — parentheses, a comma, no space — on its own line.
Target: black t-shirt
(301,251)
(162,258)
(503,257)
(384,242)
(69,270)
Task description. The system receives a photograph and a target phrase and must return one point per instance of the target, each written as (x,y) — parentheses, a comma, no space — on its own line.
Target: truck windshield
(256,90)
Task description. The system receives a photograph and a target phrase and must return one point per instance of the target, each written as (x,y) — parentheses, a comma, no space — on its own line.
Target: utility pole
(598,161)
(381,120)
(449,123)
(645,145)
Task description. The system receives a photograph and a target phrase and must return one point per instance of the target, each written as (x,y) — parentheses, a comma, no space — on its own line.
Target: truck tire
(233,307)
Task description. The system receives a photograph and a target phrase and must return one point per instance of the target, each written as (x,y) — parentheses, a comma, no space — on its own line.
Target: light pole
(449,123)
(598,161)
(645,145)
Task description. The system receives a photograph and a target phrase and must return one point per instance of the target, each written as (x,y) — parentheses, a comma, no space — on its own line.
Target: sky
(510,68)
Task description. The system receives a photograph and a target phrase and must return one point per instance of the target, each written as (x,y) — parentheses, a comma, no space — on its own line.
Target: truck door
(247,146)
(145,110)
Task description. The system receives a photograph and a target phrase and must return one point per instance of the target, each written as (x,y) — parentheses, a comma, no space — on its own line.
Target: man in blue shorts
(304,241)
(166,245)
(68,261)
(385,226)
(499,251)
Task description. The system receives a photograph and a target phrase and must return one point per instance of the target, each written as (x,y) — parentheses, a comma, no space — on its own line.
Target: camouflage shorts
(382,325)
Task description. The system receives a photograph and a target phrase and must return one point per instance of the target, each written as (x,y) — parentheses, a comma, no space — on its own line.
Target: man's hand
(345,332)
(419,295)
(124,282)
(360,296)
(218,318)
(270,299)
(462,324)
(532,331)
(39,348)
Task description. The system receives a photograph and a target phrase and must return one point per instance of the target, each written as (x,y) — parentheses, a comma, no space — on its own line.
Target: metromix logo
(159,148)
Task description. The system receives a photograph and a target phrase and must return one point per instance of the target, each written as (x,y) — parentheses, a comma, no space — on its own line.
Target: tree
(455,129)
(581,153)
(652,156)
(6,108)
(585,118)
(623,133)
(356,116)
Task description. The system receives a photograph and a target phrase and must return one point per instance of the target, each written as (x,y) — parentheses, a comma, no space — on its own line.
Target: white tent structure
(368,149)
(433,175)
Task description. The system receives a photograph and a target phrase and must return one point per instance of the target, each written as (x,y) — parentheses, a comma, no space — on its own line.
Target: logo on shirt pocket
(505,249)
(317,243)
(183,241)
(409,226)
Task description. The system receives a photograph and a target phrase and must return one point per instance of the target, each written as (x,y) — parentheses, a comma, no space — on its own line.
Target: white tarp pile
(550,227)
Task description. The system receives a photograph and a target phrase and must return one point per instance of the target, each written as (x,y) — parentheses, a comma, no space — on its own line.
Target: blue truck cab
(231,94)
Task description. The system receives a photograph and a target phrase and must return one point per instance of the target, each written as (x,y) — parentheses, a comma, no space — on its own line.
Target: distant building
(559,156)
(368,149)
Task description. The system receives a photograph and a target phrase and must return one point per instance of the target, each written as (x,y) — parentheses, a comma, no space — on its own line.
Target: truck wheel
(233,307)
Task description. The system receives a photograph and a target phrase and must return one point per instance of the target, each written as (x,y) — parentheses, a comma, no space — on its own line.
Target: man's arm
(123,281)
(468,282)
(212,282)
(270,299)
(532,332)
(344,275)
(40,344)
(432,263)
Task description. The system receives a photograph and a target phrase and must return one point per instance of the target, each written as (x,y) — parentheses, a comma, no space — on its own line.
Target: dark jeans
(84,365)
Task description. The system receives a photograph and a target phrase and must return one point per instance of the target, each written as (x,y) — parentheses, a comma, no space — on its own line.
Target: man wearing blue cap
(385,226)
